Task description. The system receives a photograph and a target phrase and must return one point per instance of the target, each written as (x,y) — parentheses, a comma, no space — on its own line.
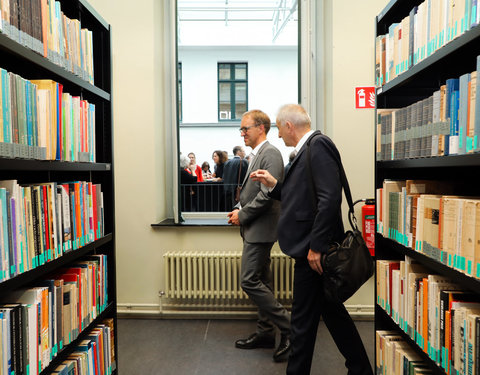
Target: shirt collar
(302,141)
(256,149)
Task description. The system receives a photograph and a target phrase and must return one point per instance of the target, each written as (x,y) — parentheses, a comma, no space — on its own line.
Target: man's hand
(233,217)
(264,177)
(314,260)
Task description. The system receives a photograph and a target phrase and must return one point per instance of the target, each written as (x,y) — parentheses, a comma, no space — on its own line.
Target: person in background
(290,160)
(219,159)
(206,172)
(234,173)
(305,233)
(257,215)
(198,169)
(188,177)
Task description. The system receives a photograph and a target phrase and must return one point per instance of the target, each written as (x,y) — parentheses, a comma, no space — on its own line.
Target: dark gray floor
(206,347)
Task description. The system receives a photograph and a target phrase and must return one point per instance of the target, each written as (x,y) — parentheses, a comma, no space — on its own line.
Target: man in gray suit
(257,215)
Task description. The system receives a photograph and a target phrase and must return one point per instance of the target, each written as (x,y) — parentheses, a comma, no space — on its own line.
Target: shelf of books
(427,316)
(57,241)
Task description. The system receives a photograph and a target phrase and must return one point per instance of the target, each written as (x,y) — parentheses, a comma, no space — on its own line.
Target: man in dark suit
(234,173)
(305,234)
(257,214)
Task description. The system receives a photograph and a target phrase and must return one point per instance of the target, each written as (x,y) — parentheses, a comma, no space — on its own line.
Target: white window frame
(312,85)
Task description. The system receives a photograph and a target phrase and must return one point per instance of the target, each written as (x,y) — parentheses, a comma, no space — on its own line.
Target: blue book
(473,14)
(454,131)
(452,85)
(28,105)
(463,114)
(7,130)
(34,114)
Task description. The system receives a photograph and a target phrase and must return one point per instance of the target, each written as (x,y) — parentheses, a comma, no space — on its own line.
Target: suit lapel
(253,166)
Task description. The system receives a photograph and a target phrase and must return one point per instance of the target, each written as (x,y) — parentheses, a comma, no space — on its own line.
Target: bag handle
(343,179)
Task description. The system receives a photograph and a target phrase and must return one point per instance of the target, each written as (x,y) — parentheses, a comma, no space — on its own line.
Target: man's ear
(289,125)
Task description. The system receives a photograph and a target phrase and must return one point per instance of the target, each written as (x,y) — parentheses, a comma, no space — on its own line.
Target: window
(232,90)
(180,111)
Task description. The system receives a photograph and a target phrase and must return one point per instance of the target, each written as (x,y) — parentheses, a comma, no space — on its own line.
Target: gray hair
(184,161)
(295,114)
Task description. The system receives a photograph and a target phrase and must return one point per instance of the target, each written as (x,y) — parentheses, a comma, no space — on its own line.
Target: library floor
(206,347)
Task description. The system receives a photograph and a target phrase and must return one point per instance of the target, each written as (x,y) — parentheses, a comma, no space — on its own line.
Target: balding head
(295,114)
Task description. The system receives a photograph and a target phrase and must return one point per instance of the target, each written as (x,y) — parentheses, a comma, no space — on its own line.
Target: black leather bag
(347,265)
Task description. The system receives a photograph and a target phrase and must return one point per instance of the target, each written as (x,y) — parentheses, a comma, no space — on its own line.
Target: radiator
(213,279)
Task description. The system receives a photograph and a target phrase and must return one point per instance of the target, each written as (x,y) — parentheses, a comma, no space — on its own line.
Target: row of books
(38,322)
(396,356)
(41,222)
(428,27)
(427,217)
(41,26)
(446,123)
(39,121)
(93,356)
(441,317)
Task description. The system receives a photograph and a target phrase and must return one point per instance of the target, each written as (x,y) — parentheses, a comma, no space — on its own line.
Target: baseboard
(157,311)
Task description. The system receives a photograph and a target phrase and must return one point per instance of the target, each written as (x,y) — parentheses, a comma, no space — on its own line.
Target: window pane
(241,71)
(224,101)
(240,99)
(223,71)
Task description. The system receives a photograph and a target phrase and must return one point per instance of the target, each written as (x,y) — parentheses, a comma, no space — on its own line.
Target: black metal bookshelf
(420,81)
(30,65)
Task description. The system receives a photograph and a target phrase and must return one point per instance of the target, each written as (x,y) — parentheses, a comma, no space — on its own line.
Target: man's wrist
(270,189)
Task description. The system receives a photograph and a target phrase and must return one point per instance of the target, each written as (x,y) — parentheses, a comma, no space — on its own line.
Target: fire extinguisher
(368,223)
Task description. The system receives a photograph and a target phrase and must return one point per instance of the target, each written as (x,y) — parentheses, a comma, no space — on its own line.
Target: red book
(95,212)
(48,237)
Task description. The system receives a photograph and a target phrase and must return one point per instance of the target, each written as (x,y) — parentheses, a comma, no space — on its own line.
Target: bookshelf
(419,82)
(21,60)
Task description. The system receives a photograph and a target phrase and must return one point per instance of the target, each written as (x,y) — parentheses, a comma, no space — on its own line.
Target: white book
(44,117)
(33,329)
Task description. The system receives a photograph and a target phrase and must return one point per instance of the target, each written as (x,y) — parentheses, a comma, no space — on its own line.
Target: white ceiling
(275,14)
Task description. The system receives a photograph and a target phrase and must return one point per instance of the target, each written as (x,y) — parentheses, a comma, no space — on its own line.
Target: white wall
(272,81)
(140,141)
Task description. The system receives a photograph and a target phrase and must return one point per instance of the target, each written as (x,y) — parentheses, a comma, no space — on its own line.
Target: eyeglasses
(245,128)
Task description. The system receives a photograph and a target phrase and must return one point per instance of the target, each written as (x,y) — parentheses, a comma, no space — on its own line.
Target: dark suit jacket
(230,173)
(300,228)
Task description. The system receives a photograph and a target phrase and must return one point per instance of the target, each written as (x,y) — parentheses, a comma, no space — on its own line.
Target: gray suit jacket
(259,213)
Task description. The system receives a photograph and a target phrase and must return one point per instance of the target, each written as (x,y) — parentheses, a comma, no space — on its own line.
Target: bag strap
(343,179)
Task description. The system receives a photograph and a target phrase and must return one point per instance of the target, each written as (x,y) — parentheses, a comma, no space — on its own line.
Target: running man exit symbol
(364,97)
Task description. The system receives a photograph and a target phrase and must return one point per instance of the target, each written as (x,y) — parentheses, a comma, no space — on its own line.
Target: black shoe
(283,350)
(256,340)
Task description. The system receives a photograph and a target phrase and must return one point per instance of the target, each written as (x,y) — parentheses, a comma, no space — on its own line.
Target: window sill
(195,222)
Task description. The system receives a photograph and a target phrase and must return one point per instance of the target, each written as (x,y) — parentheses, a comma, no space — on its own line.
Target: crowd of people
(230,173)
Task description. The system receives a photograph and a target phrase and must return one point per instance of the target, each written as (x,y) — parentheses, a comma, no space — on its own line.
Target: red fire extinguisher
(368,223)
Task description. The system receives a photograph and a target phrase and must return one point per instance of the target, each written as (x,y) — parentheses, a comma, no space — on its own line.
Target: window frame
(311,88)
(180,91)
(232,81)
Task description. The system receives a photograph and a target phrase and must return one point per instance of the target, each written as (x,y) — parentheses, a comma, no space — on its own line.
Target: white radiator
(213,278)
